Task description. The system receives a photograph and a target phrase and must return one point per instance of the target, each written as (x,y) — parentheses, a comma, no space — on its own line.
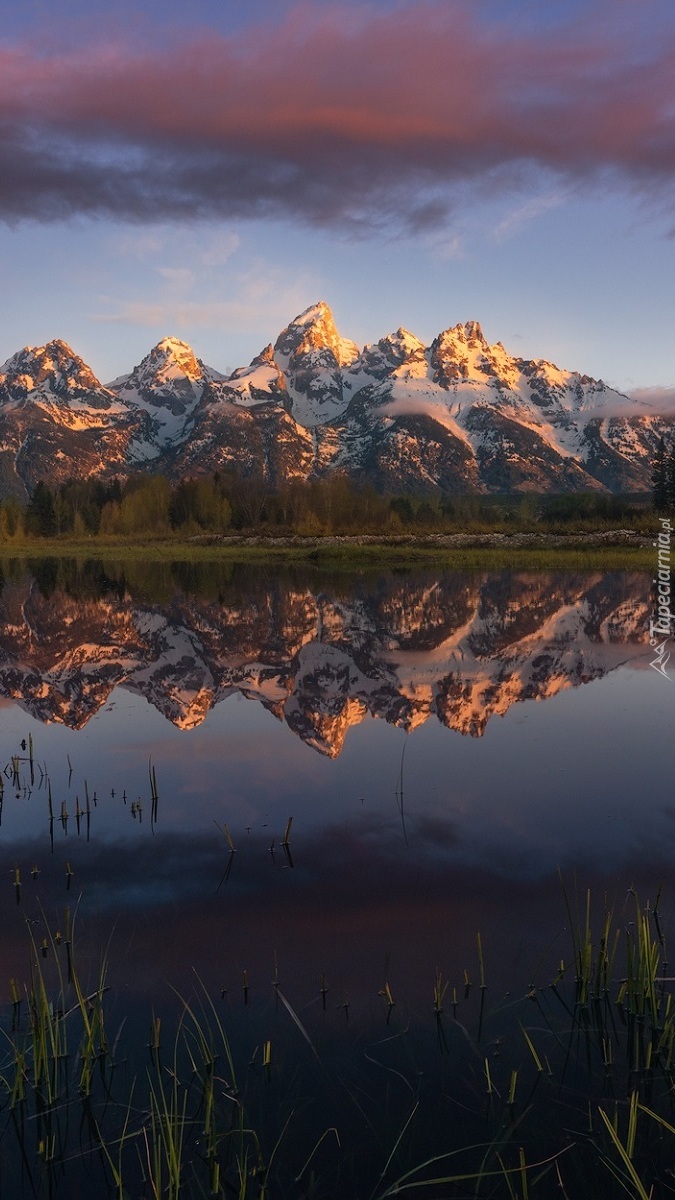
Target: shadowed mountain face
(461,414)
(320,654)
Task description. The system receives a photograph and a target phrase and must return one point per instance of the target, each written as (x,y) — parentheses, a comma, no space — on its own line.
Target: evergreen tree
(403,508)
(659,478)
(40,514)
(198,502)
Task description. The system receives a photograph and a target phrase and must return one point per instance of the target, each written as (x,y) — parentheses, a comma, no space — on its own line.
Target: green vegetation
(150,507)
(575,1100)
(224,517)
(115,556)
(562,1087)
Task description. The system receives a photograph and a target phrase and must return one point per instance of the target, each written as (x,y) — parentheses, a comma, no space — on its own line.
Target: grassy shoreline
(613,550)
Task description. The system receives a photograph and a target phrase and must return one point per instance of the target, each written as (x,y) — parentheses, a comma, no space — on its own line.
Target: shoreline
(518,539)
(613,549)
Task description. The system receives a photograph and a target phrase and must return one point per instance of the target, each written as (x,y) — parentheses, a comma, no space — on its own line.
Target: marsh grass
(565,1089)
(26,772)
(154,794)
(577,555)
(180,1128)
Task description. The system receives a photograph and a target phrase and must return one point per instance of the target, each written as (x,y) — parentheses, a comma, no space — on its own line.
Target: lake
(364,833)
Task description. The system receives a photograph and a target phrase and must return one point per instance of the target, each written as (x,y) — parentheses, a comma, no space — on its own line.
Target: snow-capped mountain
(307,369)
(461,414)
(167,385)
(51,374)
(57,420)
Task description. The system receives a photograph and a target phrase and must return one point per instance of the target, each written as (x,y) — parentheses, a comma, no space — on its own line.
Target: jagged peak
(55,346)
(56,349)
(52,368)
(169,358)
(265,357)
(404,336)
(315,329)
(469,334)
(321,311)
(171,348)
(173,345)
(392,350)
(315,321)
(474,333)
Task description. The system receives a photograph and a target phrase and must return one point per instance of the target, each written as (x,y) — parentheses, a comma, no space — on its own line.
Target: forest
(150,506)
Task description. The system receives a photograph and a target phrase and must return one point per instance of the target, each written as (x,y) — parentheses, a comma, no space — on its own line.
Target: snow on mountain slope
(167,385)
(460,410)
(57,421)
(53,375)
(460,414)
(313,332)
(461,370)
(303,370)
(260,382)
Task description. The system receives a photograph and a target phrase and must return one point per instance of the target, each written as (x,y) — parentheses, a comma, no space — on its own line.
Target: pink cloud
(335,115)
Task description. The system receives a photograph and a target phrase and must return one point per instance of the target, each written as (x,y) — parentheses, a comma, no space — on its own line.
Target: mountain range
(461,415)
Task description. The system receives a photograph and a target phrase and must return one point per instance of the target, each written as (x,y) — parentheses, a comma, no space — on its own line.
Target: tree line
(663,478)
(151,505)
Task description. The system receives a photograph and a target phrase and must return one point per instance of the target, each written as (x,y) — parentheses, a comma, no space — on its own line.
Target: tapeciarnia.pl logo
(661,624)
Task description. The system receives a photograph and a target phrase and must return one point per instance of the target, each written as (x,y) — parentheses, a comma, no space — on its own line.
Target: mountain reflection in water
(415,862)
(319,652)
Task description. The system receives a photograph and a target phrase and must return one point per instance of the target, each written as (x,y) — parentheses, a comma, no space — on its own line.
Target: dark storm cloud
(335,117)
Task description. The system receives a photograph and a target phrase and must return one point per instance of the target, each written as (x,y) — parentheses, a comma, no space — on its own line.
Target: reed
(38,1073)
(624,1170)
(154,793)
(164,1139)
(388,998)
(184,1120)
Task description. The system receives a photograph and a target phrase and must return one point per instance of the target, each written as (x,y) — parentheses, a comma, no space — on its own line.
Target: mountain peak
(469,335)
(474,334)
(53,369)
(315,330)
(392,351)
(170,364)
(173,345)
(168,383)
(319,312)
(458,415)
(172,356)
(57,348)
(407,340)
(57,352)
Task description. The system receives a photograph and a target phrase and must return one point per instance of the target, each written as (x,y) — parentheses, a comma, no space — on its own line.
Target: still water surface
(448,745)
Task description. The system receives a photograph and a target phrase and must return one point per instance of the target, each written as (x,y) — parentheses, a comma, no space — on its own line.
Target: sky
(209,171)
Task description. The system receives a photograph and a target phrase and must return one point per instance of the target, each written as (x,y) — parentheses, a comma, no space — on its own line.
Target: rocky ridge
(460,415)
